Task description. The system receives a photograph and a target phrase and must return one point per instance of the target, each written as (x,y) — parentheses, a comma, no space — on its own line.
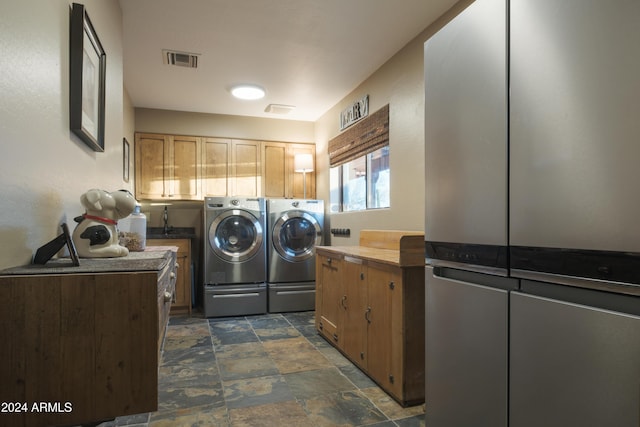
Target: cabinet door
(357,311)
(332,298)
(184,167)
(181,302)
(216,161)
(274,170)
(298,181)
(152,153)
(245,168)
(384,323)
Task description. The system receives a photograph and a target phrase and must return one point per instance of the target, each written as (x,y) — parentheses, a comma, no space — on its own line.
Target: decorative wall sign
(357,111)
(87,70)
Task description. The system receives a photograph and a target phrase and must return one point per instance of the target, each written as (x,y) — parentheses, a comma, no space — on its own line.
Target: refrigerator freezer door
(574,126)
(466,128)
(466,353)
(573,365)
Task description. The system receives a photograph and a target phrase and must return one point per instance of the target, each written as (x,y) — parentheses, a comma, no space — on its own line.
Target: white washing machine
(295,228)
(235,256)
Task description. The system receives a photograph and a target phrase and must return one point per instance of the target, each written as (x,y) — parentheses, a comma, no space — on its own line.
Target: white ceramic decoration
(96,235)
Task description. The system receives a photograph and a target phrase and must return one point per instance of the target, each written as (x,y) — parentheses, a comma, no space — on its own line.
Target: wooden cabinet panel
(278,171)
(330,298)
(246,168)
(181,301)
(379,318)
(191,168)
(296,186)
(385,289)
(216,161)
(151,176)
(167,167)
(354,277)
(275,169)
(87,338)
(185,167)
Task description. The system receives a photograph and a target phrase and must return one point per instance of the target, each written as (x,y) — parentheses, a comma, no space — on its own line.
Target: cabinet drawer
(181,300)
(166,289)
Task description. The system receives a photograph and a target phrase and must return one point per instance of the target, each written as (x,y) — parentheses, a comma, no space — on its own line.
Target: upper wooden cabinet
(280,178)
(297,187)
(216,166)
(191,168)
(167,167)
(246,168)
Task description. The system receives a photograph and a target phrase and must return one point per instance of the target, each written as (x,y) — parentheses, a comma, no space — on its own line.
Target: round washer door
(235,235)
(296,234)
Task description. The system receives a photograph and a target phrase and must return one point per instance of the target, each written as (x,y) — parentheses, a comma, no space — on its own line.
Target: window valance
(364,137)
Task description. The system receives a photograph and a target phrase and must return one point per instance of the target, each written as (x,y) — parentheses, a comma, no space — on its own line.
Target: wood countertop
(393,247)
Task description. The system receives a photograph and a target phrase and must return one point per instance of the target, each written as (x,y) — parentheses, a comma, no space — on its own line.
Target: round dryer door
(235,235)
(295,235)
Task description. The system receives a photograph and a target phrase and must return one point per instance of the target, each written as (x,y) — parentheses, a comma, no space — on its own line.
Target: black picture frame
(87,75)
(125,159)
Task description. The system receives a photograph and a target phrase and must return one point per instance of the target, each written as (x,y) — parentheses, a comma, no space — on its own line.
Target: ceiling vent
(279,109)
(181,59)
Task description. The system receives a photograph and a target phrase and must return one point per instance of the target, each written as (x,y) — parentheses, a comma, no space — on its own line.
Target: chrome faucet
(165,218)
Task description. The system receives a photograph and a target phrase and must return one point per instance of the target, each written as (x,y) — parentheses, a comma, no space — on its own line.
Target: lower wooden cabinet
(83,341)
(373,312)
(329,296)
(181,300)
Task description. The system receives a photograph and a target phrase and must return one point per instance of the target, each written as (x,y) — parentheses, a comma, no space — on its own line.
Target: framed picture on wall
(87,71)
(125,160)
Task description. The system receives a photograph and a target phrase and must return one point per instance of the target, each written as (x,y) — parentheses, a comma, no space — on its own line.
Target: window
(359,161)
(362,183)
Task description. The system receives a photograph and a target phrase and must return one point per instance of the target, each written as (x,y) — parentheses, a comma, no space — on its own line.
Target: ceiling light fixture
(248,92)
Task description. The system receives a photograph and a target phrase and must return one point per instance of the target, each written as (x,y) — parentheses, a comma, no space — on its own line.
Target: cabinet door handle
(367,314)
(167,296)
(361,276)
(343,301)
(328,260)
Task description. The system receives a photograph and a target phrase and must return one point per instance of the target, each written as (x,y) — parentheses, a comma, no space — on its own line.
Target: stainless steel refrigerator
(466,229)
(574,205)
(532,143)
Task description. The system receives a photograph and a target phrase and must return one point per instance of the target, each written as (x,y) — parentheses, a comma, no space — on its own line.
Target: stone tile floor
(266,370)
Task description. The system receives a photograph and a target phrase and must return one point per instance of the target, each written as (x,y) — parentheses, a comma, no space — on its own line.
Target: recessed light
(249,92)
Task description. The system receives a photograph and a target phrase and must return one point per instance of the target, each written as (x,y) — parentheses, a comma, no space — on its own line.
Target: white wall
(399,83)
(44,168)
(222,125)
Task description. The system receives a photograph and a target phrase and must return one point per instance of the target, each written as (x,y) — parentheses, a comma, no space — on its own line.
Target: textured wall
(399,83)
(44,168)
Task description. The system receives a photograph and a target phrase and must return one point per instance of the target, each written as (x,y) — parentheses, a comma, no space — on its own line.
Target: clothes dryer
(295,228)
(235,256)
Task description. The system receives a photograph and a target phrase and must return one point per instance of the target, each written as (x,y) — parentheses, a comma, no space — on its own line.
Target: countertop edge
(385,256)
